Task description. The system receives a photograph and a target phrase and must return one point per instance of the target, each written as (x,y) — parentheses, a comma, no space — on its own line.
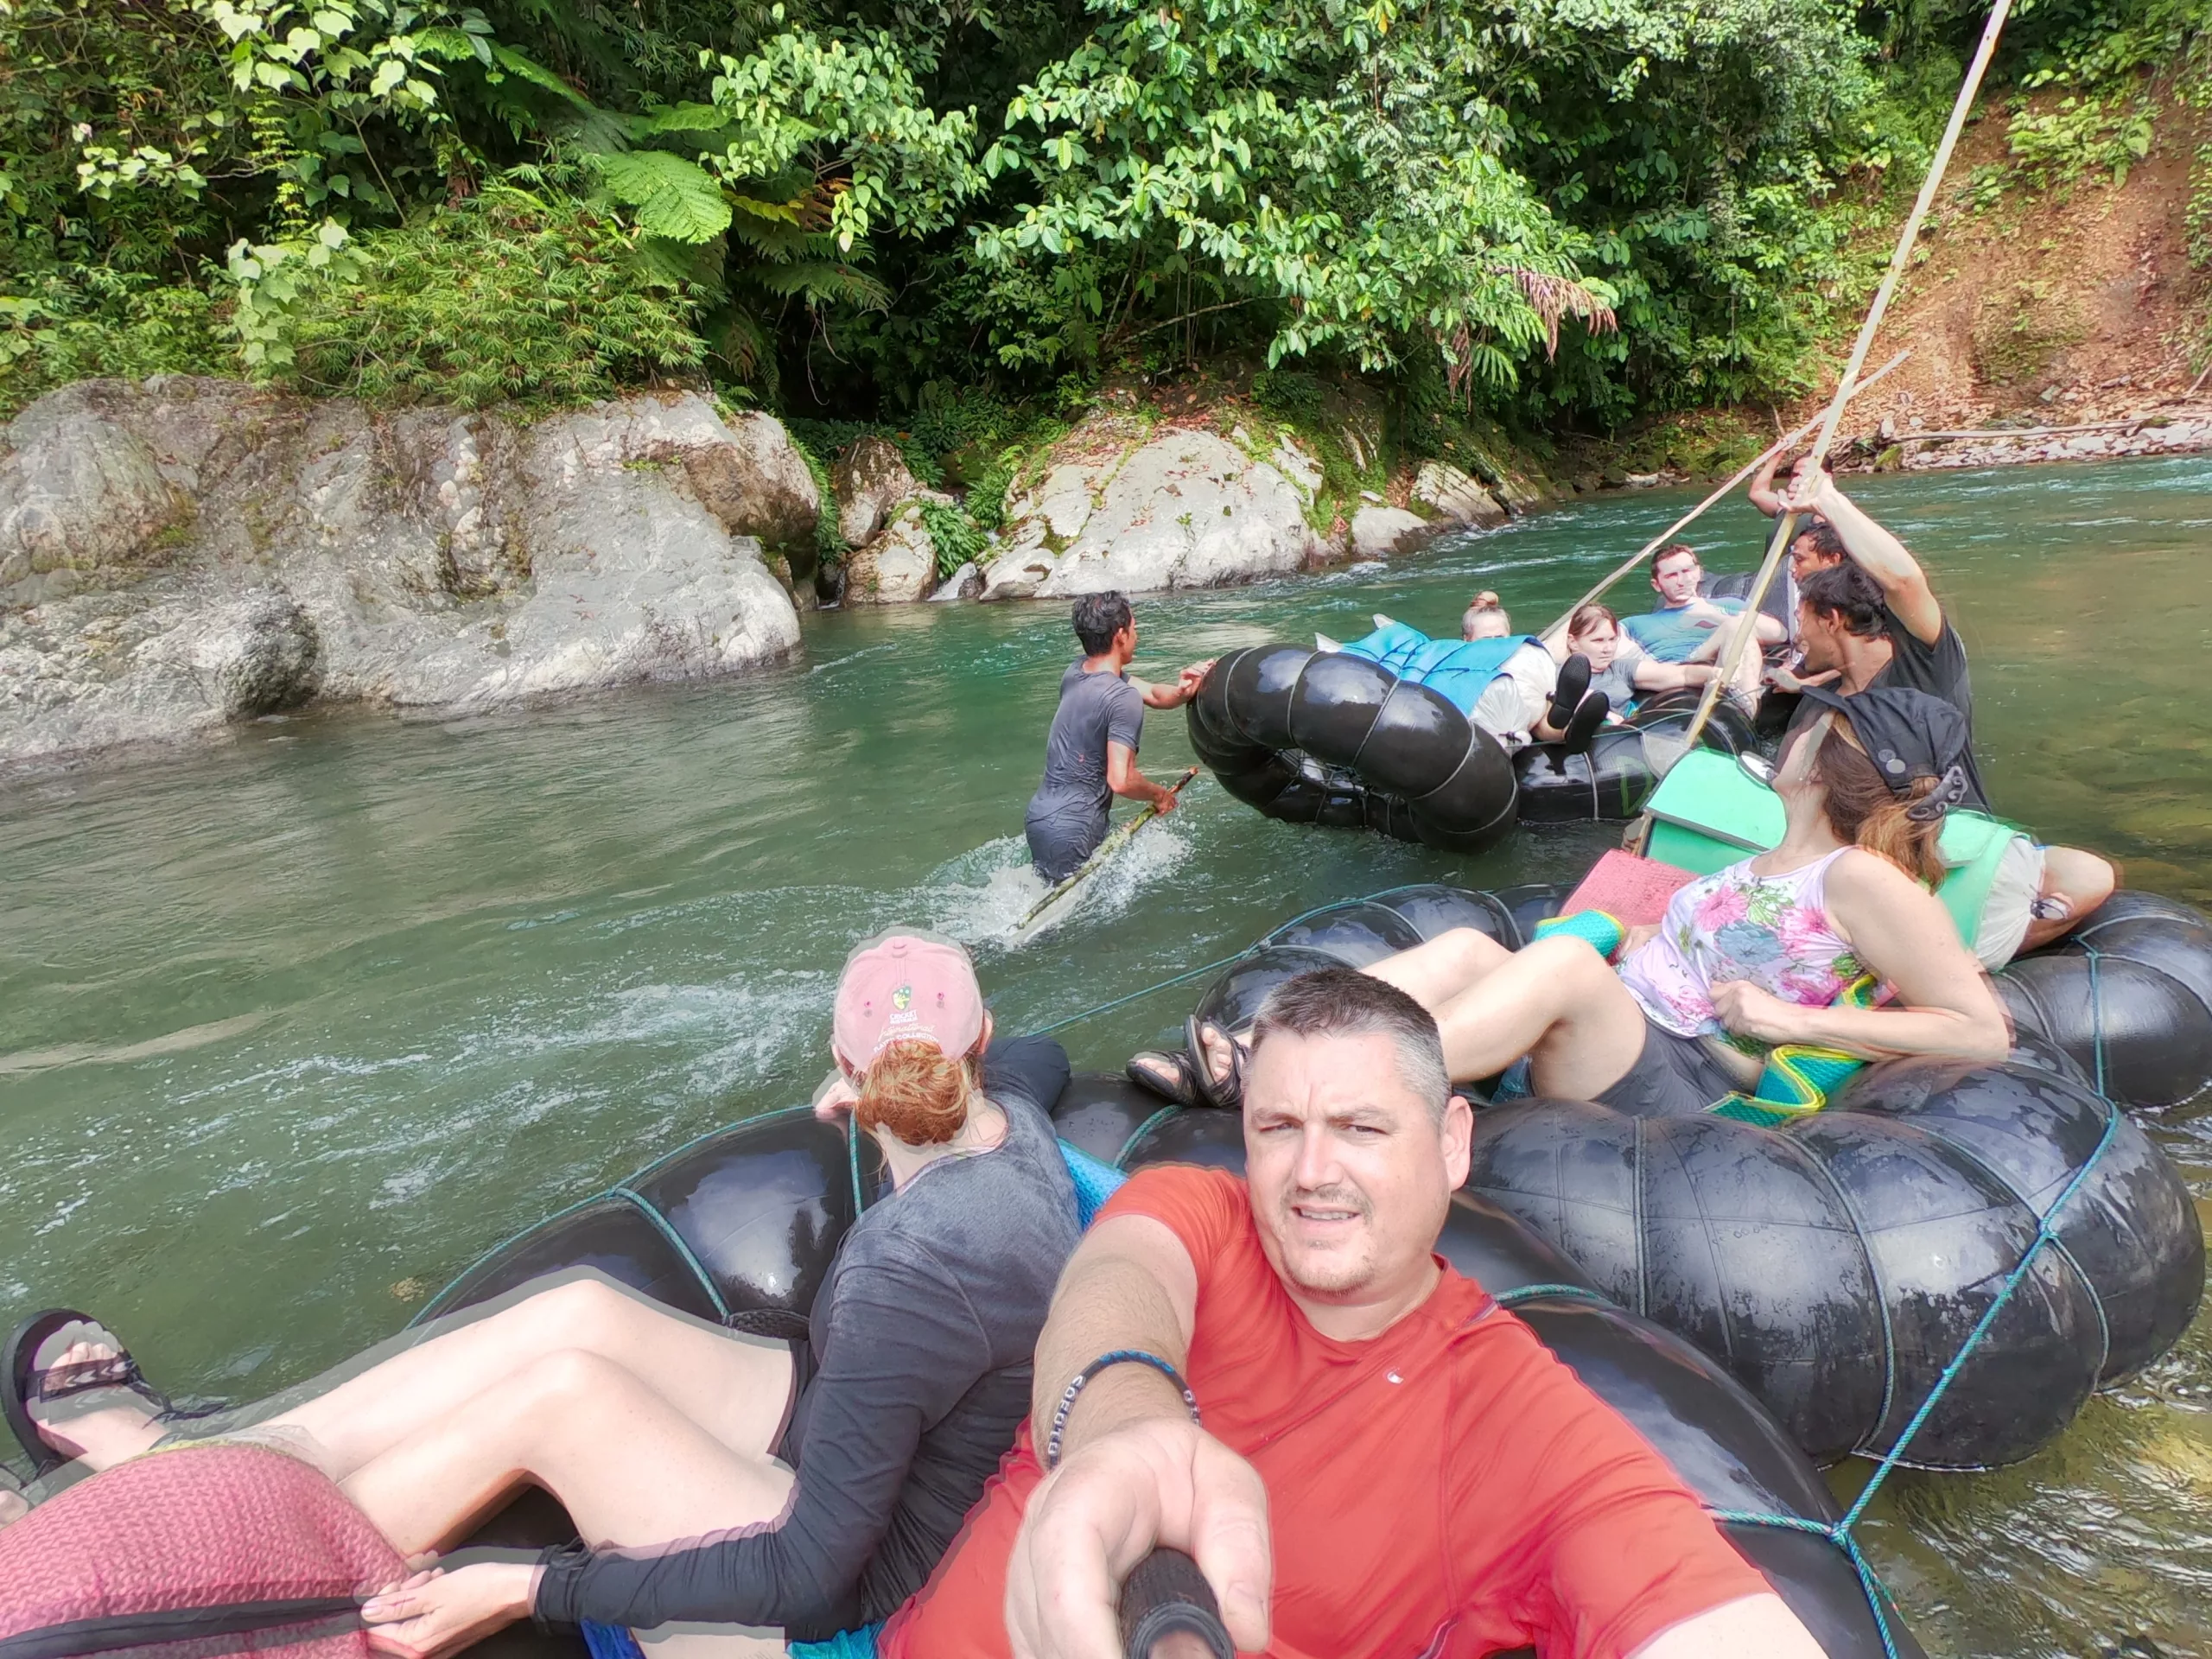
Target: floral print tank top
(1770,930)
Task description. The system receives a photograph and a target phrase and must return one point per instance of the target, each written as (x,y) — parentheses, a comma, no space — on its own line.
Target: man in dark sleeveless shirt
(1873,620)
(1091,755)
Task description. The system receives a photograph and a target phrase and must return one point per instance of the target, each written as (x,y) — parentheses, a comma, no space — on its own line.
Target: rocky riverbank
(181,553)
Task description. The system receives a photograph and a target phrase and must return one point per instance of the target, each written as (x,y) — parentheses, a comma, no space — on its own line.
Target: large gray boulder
(1377,533)
(184,553)
(1182,508)
(899,566)
(1452,495)
(870,478)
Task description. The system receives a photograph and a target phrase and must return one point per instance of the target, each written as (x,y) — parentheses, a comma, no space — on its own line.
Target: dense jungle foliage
(1551,211)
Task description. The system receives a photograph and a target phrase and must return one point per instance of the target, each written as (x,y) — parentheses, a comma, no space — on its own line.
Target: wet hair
(1344,1002)
(1822,534)
(1865,811)
(1588,617)
(1481,605)
(1669,551)
(1843,593)
(918,1092)
(1098,618)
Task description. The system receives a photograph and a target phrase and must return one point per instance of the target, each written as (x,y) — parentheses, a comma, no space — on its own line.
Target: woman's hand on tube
(439,1613)
(1749,1012)
(835,1098)
(1155,1482)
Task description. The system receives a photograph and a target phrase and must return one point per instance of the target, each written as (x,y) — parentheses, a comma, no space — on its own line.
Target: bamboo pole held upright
(1745,628)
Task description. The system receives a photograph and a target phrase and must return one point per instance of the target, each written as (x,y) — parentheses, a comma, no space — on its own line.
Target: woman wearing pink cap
(809,1488)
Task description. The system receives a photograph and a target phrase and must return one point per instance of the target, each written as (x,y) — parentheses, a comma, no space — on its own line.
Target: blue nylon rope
(1839,1534)
(1525,1293)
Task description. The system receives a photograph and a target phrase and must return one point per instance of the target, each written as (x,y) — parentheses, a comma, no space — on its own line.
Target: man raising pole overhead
(1092,754)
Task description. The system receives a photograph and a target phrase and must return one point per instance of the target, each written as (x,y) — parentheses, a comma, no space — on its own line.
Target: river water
(294,1027)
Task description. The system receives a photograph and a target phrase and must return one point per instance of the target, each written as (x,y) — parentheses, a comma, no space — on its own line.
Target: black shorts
(1674,1076)
(802,1370)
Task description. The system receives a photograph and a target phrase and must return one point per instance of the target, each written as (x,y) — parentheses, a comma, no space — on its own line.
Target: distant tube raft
(1334,739)
(1836,1266)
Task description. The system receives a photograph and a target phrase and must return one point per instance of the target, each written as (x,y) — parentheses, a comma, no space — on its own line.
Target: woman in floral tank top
(1750,956)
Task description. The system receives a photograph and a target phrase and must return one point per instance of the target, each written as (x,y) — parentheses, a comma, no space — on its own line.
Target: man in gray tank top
(1091,755)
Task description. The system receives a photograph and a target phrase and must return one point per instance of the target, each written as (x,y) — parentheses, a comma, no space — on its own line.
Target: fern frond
(674,198)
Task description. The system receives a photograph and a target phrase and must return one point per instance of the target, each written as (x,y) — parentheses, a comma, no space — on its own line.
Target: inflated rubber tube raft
(1614,779)
(2128,997)
(740,1227)
(1333,738)
(1322,738)
(1837,1266)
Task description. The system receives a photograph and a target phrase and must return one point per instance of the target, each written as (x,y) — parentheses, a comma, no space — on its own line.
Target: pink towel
(1630,890)
(198,1526)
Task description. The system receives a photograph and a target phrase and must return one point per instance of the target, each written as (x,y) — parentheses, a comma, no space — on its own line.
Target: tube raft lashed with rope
(740,1227)
(1336,739)
(1839,1265)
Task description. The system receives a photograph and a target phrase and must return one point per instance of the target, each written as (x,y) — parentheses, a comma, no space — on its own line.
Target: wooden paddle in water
(1107,849)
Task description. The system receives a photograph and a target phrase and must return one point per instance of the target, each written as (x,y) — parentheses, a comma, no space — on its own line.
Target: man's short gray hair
(1344,1002)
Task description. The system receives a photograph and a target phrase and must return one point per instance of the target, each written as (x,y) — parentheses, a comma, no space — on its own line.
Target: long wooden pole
(1698,512)
(1105,849)
(1745,628)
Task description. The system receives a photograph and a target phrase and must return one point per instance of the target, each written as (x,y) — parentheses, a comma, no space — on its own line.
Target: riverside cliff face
(182,553)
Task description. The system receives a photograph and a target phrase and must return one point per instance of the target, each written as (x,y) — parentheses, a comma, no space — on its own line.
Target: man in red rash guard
(1391,1464)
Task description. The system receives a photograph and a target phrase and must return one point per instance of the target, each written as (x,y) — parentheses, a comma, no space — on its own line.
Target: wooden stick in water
(1106,849)
(1697,511)
(1745,628)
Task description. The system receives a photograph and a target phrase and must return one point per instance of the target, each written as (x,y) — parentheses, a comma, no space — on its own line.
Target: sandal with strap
(1581,729)
(24,1381)
(1566,693)
(1227,1093)
(1171,1076)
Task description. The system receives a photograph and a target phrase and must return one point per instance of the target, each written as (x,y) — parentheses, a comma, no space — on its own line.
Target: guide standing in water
(1091,755)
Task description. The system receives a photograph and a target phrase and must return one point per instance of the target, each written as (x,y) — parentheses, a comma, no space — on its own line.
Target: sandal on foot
(1227,1093)
(1566,696)
(24,1381)
(1581,727)
(1171,1076)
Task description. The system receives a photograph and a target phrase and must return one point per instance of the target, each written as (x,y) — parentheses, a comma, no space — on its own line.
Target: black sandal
(23,1380)
(1227,1093)
(1567,694)
(1582,728)
(1171,1076)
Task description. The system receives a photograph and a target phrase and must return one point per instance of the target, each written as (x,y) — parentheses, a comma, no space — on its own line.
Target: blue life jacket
(1459,671)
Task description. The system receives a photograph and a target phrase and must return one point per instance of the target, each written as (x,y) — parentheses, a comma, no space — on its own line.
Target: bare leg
(630,1468)
(1560,1004)
(735,1389)
(1452,962)
(2082,880)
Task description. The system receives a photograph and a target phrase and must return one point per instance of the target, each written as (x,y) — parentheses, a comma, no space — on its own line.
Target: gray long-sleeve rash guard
(924,1338)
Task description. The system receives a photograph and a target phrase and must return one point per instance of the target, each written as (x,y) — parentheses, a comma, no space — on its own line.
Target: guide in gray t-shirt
(1067,815)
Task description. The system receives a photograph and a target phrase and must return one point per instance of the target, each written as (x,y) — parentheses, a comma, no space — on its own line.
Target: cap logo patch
(901,997)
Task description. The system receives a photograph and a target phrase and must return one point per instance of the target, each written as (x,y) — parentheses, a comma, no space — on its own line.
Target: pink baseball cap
(904,985)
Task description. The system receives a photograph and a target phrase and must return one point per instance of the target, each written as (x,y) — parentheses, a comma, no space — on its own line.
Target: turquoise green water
(292,1028)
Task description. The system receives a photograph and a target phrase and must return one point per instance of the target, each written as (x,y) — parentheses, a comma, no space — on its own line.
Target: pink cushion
(198,1526)
(1630,890)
